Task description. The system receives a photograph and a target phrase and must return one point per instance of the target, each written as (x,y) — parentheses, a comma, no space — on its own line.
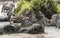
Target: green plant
(22,6)
(48,7)
(58,8)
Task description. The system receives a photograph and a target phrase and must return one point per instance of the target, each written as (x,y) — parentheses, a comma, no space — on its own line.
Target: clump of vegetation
(22,6)
(48,7)
(58,8)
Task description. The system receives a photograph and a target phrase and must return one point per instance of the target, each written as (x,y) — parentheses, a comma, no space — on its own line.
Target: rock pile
(31,22)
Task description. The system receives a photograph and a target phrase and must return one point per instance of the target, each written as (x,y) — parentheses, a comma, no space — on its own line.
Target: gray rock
(3,17)
(7,7)
(39,15)
(58,24)
(26,23)
(26,13)
(54,19)
(12,28)
(44,21)
(9,29)
(32,17)
(34,29)
(6,12)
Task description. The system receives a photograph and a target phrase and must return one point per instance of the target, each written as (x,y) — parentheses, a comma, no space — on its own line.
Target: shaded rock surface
(34,29)
(44,21)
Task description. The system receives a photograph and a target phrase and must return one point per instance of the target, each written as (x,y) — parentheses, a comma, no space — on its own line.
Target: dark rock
(39,15)
(12,28)
(34,29)
(26,13)
(44,21)
(26,23)
(9,29)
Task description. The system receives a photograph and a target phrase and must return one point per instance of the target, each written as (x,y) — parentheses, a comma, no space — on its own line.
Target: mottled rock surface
(33,29)
(54,19)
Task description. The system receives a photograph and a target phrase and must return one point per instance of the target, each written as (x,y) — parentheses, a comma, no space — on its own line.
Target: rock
(34,29)
(44,21)
(7,7)
(6,12)
(58,24)
(26,23)
(12,28)
(32,17)
(54,19)
(26,13)
(39,15)
(3,17)
(9,29)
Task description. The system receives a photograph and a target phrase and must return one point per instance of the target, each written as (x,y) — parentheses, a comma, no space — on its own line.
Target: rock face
(54,19)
